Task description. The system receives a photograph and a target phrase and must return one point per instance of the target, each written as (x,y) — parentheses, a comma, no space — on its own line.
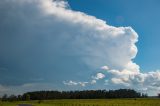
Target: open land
(86,102)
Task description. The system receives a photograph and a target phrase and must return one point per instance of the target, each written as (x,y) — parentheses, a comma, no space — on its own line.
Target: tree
(26,97)
(86,94)
(4,97)
(19,97)
(12,98)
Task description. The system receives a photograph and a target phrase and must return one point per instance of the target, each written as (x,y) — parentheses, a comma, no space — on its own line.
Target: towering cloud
(46,40)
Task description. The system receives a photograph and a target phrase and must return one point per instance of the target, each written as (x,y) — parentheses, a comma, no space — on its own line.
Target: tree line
(86,94)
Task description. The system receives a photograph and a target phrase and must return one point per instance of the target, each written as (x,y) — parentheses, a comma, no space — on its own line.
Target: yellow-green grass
(88,102)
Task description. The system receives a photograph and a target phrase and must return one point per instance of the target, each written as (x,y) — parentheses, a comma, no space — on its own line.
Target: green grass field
(89,102)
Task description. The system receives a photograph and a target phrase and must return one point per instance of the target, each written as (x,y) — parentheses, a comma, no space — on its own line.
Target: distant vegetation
(86,94)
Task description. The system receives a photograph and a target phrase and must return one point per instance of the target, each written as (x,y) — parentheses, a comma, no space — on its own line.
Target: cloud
(70,83)
(27,87)
(132,77)
(93,82)
(3,89)
(45,39)
(73,83)
(83,83)
(105,68)
(98,76)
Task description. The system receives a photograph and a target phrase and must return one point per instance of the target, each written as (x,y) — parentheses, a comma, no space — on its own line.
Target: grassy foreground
(89,102)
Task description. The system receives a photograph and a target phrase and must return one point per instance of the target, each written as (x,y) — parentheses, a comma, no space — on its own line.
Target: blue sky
(142,15)
(77,45)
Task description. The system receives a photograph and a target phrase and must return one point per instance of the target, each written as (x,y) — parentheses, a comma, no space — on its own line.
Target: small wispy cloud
(98,76)
(73,83)
(93,82)
(105,68)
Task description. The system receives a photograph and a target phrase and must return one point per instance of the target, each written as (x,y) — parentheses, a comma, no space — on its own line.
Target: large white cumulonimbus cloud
(49,27)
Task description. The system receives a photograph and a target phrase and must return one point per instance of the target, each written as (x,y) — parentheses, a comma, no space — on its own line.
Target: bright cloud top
(46,32)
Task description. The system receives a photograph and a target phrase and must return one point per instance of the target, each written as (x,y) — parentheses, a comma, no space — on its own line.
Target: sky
(79,45)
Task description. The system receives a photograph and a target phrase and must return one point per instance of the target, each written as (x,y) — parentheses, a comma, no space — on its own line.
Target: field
(89,102)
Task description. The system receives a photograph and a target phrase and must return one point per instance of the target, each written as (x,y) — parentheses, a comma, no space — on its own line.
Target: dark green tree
(4,97)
